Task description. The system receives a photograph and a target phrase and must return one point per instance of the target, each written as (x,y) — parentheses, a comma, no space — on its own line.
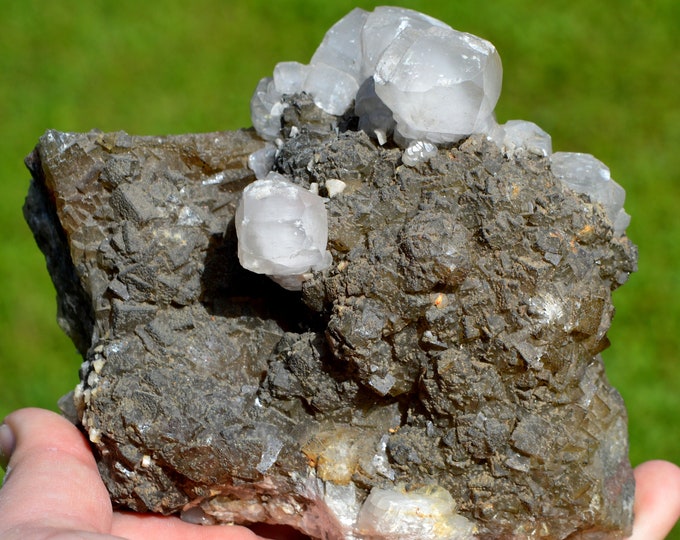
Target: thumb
(657,499)
(52,479)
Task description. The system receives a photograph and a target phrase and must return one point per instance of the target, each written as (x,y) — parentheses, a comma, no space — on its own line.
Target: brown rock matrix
(449,357)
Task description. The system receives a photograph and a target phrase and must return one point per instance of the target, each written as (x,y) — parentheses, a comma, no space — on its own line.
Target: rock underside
(441,379)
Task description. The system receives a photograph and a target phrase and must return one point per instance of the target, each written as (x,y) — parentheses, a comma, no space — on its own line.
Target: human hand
(53,490)
(657,500)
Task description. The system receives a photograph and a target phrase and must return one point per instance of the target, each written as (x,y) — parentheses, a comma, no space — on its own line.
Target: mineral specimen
(440,378)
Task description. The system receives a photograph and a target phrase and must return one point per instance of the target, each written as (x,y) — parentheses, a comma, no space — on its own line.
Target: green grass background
(601,77)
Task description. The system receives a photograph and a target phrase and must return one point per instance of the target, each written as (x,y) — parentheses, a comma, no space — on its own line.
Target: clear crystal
(333,90)
(289,77)
(383,26)
(266,109)
(438,84)
(519,137)
(262,161)
(341,46)
(418,152)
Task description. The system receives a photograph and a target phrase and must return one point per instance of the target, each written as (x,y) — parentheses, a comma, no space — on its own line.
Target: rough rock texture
(450,351)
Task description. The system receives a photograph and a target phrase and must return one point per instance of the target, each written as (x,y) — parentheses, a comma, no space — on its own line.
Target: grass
(601,77)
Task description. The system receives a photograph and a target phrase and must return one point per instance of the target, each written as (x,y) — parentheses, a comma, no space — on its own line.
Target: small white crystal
(335,186)
(585,174)
(261,161)
(418,152)
(265,109)
(422,514)
(519,137)
(282,231)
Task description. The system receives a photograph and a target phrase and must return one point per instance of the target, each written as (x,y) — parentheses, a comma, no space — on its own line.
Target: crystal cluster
(397,67)
(405,77)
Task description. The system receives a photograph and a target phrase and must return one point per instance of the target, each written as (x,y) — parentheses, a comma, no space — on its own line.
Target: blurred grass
(601,77)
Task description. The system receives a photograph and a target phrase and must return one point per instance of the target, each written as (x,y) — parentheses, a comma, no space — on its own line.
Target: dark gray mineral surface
(441,379)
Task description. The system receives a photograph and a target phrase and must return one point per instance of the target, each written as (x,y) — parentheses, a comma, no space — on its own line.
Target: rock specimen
(438,377)
(447,360)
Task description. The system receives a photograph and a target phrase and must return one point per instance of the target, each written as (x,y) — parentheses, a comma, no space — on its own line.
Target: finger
(150,527)
(52,479)
(657,500)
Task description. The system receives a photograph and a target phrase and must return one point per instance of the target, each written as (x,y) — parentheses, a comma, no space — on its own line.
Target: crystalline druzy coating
(282,230)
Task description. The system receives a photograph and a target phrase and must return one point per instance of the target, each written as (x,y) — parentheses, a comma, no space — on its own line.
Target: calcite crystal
(434,371)
(282,230)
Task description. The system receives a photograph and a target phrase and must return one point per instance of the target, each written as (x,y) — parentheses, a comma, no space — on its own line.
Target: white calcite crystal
(585,174)
(414,64)
(520,137)
(422,514)
(417,152)
(282,231)
(422,69)
(262,160)
(266,108)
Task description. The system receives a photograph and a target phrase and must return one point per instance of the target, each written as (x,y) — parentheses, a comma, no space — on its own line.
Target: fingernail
(6,445)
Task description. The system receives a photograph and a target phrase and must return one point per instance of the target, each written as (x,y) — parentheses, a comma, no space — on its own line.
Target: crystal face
(440,84)
(282,230)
